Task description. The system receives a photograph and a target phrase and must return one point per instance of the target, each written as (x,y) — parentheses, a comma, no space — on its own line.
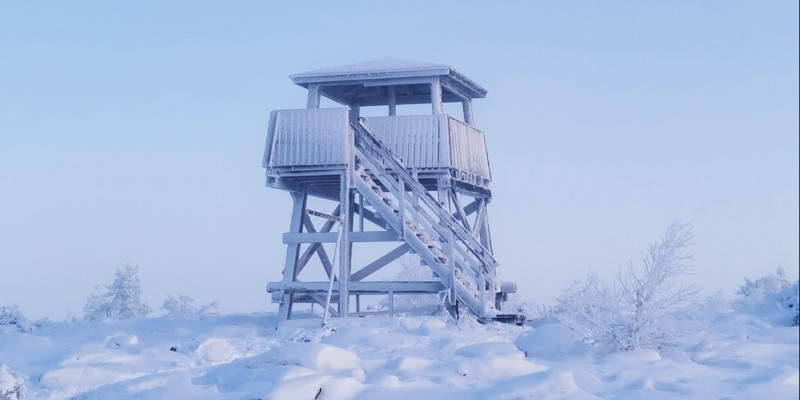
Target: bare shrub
(642,308)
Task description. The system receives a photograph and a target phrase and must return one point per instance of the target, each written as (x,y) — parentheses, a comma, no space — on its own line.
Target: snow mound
(12,384)
(736,355)
(551,341)
(216,350)
(317,356)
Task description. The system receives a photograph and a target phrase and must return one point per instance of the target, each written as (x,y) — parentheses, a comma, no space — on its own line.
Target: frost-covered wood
(383,170)
(317,138)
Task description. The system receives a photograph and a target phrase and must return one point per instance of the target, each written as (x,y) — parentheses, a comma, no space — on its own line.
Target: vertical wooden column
(292,253)
(443,186)
(355,111)
(346,199)
(436,97)
(467,107)
(313,97)
(392,101)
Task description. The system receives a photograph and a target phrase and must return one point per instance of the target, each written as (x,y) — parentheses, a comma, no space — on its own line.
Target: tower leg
(345,246)
(292,253)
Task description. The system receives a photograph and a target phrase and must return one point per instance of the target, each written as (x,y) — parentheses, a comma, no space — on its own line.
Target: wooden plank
(309,237)
(369,215)
(361,287)
(373,236)
(316,248)
(317,298)
(459,210)
(381,262)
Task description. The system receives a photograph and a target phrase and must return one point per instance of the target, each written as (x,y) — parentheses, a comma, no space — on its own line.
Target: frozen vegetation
(741,349)
(642,336)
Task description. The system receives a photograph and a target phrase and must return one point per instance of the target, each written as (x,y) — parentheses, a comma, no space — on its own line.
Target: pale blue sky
(134,133)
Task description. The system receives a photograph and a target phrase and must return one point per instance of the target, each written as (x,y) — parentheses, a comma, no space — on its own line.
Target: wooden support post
(360,212)
(313,97)
(355,111)
(392,101)
(467,107)
(314,248)
(460,214)
(347,198)
(436,97)
(292,253)
(443,185)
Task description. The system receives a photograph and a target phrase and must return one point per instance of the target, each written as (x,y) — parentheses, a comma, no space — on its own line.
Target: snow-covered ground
(728,355)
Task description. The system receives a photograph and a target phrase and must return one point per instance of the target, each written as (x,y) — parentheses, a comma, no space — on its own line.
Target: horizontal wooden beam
(331,237)
(359,287)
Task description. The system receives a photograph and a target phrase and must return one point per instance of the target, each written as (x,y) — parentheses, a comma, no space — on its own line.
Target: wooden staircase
(464,266)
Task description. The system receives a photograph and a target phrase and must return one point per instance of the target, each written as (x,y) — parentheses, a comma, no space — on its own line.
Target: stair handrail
(363,135)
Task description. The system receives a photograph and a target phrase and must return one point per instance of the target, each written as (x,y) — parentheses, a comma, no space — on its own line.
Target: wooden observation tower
(416,184)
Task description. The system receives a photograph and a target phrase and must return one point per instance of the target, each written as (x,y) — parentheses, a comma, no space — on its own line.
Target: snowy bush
(772,296)
(753,293)
(180,305)
(12,384)
(642,309)
(790,300)
(121,300)
(10,315)
(209,309)
(793,301)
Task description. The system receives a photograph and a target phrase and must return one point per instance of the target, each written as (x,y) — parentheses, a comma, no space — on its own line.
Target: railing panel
(307,137)
(414,139)
(468,149)
(317,137)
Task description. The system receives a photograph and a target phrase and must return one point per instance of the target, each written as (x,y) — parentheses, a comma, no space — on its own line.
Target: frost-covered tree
(643,307)
(180,305)
(121,300)
(10,315)
(753,293)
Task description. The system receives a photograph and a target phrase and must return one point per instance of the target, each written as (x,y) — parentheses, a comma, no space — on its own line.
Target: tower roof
(348,82)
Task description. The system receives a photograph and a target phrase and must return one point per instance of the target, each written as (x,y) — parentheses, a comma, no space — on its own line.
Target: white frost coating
(317,356)
(493,367)
(12,384)
(216,351)
(737,355)
(415,139)
(382,66)
(307,137)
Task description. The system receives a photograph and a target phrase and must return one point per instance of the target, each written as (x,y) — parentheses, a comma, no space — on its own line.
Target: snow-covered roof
(382,67)
(342,83)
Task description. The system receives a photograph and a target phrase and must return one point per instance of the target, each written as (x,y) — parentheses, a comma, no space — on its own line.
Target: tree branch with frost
(642,308)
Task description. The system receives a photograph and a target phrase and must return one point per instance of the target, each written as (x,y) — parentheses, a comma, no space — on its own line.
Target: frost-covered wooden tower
(420,181)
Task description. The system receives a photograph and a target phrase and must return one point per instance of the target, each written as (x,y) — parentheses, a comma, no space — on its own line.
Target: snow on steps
(419,240)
